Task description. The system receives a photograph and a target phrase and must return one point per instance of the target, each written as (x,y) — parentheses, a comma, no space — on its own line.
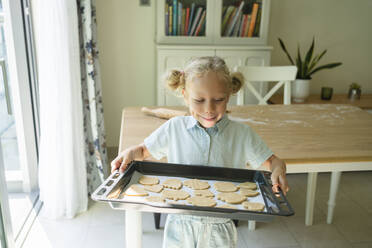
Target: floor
(352,225)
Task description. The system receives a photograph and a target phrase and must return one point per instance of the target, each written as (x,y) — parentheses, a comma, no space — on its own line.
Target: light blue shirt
(227,144)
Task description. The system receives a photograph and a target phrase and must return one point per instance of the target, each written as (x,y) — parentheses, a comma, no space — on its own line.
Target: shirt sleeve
(157,142)
(257,152)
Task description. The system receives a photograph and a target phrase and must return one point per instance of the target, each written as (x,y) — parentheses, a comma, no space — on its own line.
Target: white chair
(283,75)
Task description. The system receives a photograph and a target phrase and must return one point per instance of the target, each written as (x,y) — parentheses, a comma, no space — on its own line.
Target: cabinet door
(243,22)
(171,24)
(246,57)
(174,59)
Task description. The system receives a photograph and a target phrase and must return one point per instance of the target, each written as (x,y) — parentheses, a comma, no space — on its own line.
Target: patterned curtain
(95,140)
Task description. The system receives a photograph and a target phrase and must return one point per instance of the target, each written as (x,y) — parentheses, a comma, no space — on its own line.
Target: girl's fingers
(275,188)
(115,164)
(283,184)
(124,165)
(275,182)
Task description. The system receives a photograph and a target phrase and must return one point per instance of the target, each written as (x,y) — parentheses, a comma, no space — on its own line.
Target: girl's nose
(210,107)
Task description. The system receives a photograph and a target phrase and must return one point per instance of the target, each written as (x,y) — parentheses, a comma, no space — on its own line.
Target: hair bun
(237,82)
(175,80)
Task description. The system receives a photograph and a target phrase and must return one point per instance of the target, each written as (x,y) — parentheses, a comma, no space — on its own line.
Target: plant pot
(354,94)
(300,90)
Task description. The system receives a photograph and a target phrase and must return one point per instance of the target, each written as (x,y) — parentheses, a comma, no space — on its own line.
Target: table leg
(335,181)
(310,197)
(251,225)
(133,228)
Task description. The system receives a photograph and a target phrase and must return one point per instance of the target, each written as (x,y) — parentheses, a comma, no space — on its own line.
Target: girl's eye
(198,100)
(220,100)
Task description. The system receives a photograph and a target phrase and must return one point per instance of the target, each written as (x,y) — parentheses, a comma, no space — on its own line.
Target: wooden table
(310,138)
(365,102)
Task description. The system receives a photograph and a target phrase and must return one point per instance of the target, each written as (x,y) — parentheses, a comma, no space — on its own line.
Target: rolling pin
(163,112)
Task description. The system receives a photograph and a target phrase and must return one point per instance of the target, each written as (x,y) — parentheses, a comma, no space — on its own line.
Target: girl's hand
(278,175)
(125,157)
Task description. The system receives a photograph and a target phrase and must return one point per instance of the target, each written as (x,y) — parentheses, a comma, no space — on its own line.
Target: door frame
(21,93)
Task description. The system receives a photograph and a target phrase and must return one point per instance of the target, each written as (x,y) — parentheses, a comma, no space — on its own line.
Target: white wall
(343,27)
(127,49)
(127,59)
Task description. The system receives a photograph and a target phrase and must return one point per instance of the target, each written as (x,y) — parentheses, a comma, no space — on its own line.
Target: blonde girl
(207,137)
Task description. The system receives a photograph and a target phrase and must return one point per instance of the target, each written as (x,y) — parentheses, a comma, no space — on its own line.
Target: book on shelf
(174,17)
(253,20)
(166,19)
(202,31)
(226,17)
(170,20)
(183,21)
(241,23)
(244,23)
(187,21)
(237,26)
(229,22)
(231,26)
(247,25)
(256,31)
(242,19)
(196,20)
(179,20)
(202,20)
(191,18)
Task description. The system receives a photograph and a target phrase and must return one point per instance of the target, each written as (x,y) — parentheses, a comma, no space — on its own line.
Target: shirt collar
(219,125)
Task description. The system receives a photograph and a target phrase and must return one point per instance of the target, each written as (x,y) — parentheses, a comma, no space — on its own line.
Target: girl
(206,137)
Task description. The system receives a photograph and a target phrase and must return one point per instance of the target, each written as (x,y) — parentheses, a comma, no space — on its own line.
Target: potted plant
(306,67)
(354,91)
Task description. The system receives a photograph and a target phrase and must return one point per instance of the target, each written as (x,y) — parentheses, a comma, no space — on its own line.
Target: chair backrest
(281,74)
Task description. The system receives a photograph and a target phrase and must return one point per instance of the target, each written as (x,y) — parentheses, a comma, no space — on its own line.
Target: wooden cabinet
(176,44)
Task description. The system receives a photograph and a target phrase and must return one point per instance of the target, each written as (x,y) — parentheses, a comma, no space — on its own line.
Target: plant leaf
(327,66)
(299,62)
(308,57)
(316,60)
(321,55)
(285,50)
(313,62)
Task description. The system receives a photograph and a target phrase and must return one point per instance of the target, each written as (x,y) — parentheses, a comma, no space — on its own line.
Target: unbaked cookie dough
(232,198)
(155,199)
(154,188)
(196,184)
(172,183)
(136,190)
(145,180)
(175,194)
(225,187)
(248,185)
(254,206)
(248,192)
(203,192)
(201,201)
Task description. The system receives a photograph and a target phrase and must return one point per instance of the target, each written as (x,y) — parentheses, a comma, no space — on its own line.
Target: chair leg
(157,220)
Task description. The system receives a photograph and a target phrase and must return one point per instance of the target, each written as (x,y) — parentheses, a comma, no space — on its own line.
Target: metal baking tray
(111,190)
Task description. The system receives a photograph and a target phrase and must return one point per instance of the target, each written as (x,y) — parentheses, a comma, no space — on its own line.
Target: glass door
(18,115)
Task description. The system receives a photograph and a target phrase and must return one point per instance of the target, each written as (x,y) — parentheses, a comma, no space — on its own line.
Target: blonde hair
(200,66)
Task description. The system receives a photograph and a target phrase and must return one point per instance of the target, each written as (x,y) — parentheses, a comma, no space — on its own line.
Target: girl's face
(207,98)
